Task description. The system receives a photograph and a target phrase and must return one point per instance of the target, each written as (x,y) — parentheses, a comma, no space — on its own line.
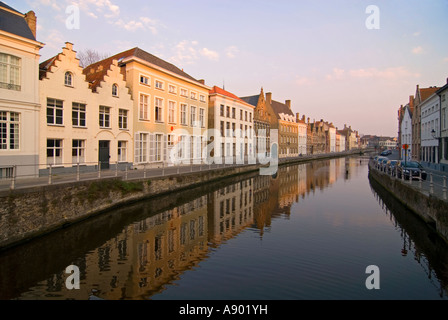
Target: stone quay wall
(28,213)
(428,207)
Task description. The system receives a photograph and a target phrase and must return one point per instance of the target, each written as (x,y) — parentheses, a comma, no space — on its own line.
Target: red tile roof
(218,90)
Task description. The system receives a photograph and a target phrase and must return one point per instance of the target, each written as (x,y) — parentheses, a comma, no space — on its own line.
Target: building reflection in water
(152,252)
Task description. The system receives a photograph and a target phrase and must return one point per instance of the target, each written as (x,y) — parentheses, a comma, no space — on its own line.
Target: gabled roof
(143,55)
(425,93)
(14,23)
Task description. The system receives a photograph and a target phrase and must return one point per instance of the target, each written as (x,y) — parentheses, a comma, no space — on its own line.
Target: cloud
(336,75)
(48,3)
(212,55)
(417,50)
(304,81)
(416,34)
(445,60)
(391,73)
(188,52)
(231,52)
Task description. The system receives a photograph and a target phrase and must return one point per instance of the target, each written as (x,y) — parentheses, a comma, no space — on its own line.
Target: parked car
(391,167)
(408,169)
(380,163)
(386,153)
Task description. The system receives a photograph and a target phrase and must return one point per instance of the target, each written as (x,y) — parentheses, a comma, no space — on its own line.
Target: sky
(342,61)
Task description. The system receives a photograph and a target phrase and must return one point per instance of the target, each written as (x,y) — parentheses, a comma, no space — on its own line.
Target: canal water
(310,232)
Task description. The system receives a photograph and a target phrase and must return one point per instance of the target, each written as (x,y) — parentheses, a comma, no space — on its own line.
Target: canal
(309,232)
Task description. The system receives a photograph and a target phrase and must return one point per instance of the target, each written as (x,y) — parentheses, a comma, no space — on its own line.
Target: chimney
(308,119)
(303,118)
(288,104)
(31,20)
(202,81)
(269,97)
(297,116)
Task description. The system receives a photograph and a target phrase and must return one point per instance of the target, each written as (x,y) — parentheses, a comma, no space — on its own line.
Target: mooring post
(116,169)
(144,171)
(77,172)
(99,169)
(14,175)
(444,187)
(49,174)
(431,183)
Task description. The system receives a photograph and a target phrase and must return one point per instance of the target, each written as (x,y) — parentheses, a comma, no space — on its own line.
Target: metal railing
(432,182)
(22,176)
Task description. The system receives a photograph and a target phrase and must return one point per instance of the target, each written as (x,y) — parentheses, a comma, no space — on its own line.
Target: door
(104,153)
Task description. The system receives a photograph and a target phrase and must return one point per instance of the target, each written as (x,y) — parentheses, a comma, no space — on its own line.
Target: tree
(90,56)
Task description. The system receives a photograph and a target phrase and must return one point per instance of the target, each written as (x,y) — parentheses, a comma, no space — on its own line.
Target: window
(158,110)
(184,92)
(9,130)
(171,138)
(245,115)
(122,151)
(202,117)
(241,114)
(68,79)
(122,119)
(222,110)
(115,90)
(183,114)
(159,150)
(233,130)
(142,147)
(54,151)
(78,114)
(172,89)
(222,129)
(172,112)
(228,129)
(144,80)
(193,95)
(78,151)
(202,98)
(159,85)
(10,70)
(193,116)
(54,111)
(104,117)
(228,112)
(143,107)
(233,113)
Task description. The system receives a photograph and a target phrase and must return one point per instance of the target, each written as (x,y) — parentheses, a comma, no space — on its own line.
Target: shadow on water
(419,238)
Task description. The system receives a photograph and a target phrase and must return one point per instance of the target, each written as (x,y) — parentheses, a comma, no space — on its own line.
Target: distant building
(19,93)
(263,117)
(421,95)
(443,94)
(406,134)
(302,134)
(430,129)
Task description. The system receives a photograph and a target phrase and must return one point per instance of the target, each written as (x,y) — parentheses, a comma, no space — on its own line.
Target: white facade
(443,94)
(406,135)
(302,128)
(332,133)
(19,103)
(79,126)
(430,129)
(232,121)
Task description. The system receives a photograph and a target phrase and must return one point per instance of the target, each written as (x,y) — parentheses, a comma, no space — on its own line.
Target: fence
(47,174)
(435,183)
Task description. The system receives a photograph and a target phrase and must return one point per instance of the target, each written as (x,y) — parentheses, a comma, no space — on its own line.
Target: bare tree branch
(89,57)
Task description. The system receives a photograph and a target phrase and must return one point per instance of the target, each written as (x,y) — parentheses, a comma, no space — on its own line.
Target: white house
(406,134)
(87,114)
(19,93)
(430,129)
(302,134)
(233,122)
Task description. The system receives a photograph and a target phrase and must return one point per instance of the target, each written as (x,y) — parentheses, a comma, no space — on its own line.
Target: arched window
(115,90)
(68,79)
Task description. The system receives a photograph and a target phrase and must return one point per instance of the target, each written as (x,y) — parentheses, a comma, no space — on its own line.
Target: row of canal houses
(423,127)
(133,109)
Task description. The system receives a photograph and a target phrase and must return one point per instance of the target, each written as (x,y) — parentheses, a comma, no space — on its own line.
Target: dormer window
(115,90)
(68,79)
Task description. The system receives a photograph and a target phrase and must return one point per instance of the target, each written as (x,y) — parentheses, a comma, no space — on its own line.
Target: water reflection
(137,251)
(420,240)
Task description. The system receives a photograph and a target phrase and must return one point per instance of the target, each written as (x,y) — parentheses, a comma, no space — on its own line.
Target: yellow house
(170,109)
